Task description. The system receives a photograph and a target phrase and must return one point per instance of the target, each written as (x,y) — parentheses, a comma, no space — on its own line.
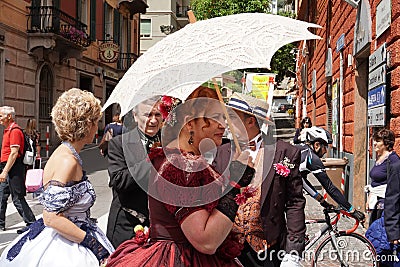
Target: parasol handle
(192,19)
(228,119)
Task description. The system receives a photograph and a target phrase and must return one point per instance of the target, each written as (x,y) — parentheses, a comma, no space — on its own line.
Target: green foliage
(282,60)
(205,9)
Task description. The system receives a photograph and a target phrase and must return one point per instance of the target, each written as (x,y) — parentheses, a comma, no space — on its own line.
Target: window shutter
(104,19)
(129,36)
(35,14)
(116,26)
(79,10)
(93,20)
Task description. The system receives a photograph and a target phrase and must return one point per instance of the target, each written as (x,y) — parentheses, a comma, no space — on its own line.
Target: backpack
(28,155)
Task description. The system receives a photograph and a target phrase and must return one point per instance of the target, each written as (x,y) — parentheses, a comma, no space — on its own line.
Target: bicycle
(340,247)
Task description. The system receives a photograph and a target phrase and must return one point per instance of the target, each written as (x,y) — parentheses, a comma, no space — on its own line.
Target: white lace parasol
(184,60)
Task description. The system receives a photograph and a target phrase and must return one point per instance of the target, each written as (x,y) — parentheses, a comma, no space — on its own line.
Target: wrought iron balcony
(125,60)
(50,20)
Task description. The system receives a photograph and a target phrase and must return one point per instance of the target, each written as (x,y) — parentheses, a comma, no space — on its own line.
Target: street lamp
(167,29)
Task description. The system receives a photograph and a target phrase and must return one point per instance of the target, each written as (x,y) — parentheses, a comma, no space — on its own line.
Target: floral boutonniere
(141,234)
(283,168)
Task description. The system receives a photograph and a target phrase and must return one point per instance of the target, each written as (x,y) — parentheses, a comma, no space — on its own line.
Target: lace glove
(95,246)
(358,215)
(290,260)
(227,204)
(241,173)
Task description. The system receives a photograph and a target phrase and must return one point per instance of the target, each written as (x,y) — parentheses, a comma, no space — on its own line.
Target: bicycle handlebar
(340,211)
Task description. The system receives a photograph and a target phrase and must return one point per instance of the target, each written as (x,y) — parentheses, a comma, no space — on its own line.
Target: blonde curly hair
(74,113)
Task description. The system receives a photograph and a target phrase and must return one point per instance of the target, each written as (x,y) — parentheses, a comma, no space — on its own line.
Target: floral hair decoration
(283,168)
(168,104)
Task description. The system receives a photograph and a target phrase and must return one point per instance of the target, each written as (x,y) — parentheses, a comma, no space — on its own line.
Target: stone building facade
(49,46)
(348,82)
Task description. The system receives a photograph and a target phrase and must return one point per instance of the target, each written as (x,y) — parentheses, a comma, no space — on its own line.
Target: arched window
(45,93)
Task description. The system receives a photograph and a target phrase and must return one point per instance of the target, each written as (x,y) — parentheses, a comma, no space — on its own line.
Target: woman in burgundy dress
(192,207)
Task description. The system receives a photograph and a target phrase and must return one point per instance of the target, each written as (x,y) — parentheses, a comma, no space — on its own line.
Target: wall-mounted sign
(378,57)
(363,27)
(377,97)
(377,77)
(340,43)
(383,16)
(108,52)
(314,82)
(328,63)
(111,74)
(377,116)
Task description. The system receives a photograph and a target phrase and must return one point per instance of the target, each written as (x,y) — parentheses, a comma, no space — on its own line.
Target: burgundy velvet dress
(167,245)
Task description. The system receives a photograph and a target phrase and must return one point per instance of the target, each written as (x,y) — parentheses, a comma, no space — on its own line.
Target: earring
(190,141)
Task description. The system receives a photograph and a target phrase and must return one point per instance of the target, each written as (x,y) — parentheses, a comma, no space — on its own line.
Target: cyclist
(317,140)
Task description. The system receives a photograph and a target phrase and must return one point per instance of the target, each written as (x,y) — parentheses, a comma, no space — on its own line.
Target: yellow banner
(261,85)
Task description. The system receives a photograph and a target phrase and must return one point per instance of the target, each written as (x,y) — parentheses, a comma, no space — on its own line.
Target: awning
(133,6)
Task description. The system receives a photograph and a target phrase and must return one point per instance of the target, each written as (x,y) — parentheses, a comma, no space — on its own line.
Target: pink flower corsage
(141,234)
(283,168)
(246,193)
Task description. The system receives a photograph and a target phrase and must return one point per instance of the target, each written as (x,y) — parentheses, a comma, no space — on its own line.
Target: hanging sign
(108,52)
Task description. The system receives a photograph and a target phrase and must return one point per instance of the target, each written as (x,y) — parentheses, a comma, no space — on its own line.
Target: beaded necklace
(76,155)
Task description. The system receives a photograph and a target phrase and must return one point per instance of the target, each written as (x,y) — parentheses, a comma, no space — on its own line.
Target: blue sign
(340,43)
(377,97)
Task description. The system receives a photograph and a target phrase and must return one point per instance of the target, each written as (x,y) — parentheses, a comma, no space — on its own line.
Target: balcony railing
(48,19)
(181,11)
(125,60)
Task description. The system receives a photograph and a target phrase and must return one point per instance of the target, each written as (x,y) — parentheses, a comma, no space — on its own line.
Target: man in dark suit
(273,220)
(129,169)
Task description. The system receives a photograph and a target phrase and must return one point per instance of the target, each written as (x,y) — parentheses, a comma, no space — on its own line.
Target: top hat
(250,105)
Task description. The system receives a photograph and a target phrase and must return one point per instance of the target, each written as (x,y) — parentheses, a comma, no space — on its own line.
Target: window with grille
(45,93)
(145,28)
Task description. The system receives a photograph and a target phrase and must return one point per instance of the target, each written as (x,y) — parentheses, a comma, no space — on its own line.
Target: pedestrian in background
(392,213)
(66,235)
(300,135)
(111,130)
(383,142)
(12,169)
(115,125)
(32,132)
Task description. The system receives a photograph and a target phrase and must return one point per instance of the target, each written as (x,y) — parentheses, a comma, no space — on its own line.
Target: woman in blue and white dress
(66,235)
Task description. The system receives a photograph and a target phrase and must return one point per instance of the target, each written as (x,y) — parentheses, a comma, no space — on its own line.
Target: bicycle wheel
(354,249)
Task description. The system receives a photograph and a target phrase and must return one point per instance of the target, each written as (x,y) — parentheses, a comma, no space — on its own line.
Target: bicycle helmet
(318,134)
